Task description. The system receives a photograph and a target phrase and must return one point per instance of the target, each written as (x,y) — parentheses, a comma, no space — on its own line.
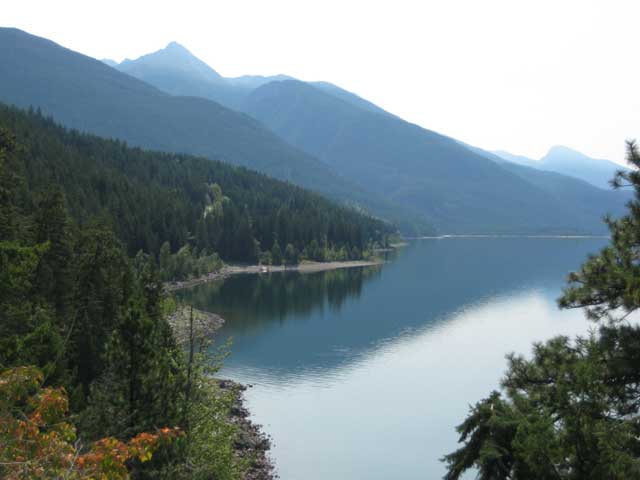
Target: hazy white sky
(509,74)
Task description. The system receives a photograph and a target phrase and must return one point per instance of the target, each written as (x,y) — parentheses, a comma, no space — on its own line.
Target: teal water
(364,373)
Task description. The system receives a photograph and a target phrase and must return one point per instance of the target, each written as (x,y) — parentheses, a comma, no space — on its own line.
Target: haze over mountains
(313,134)
(175,70)
(83,93)
(565,188)
(570,162)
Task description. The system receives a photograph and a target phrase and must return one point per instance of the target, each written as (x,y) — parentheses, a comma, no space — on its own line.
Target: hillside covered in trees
(93,383)
(443,180)
(85,94)
(151,199)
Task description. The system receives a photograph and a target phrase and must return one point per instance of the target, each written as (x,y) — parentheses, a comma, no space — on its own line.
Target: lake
(364,373)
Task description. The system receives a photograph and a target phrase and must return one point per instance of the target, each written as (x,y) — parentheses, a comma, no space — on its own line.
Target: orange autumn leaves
(37,443)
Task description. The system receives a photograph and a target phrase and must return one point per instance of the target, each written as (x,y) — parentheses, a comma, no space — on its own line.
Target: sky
(499,74)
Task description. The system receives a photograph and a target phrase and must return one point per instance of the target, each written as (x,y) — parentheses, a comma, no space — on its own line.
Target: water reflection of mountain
(291,323)
(250,302)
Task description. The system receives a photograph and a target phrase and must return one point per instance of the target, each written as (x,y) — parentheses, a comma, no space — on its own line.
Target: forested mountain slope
(83,93)
(410,165)
(460,190)
(93,381)
(153,197)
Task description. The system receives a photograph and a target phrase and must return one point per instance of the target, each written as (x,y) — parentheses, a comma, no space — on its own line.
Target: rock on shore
(251,443)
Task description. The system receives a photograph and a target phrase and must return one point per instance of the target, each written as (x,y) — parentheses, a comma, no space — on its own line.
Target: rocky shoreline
(251,443)
(205,324)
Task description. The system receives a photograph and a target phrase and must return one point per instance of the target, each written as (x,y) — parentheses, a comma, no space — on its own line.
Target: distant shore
(440,237)
(304,267)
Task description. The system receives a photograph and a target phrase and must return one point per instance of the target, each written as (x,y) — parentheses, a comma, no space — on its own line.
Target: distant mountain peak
(566,160)
(175,44)
(564,150)
(108,61)
(174,57)
(176,48)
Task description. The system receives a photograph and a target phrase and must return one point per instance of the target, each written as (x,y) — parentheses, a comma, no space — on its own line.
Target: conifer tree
(572,411)
(10,184)
(54,276)
(276,253)
(291,255)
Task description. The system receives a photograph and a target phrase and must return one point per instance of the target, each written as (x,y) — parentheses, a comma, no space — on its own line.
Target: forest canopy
(93,381)
(151,198)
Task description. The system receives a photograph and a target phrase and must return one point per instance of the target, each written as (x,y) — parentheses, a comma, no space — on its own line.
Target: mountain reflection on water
(291,323)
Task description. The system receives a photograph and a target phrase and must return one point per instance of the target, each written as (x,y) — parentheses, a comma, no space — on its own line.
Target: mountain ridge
(299,132)
(83,93)
(461,191)
(300,127)
(568,161)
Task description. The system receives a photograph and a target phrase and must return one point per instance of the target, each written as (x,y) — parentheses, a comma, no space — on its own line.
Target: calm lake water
(364,373)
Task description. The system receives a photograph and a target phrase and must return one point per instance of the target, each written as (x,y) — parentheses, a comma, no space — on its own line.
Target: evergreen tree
(609,283)
(573,410)
(10,186)
(54,277)
(276,254)
(166,261)
(291,255)
(105,284)
(28,334)
(151,197)
(73,305)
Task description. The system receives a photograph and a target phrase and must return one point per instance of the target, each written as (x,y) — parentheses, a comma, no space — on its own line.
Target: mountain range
(86,94)
(570,162)
(415,167)
(314,134)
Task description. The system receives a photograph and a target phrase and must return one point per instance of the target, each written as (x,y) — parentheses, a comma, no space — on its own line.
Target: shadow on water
(252,302)
(291,323)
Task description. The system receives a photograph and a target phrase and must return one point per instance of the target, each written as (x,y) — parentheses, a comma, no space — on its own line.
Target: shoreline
(557,237)
(305,267)
(252,444)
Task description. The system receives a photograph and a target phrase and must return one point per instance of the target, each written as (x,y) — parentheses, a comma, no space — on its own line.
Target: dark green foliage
(608,284)
(572,411)
(488,432)
(142,381)
(291,255)
(54,276)
(73,304)
(104,286)
(276,254)
(28,329)
(186,263)
(10,186)
(150,197)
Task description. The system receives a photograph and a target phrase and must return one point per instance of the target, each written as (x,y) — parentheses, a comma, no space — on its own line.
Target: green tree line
(150,198)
